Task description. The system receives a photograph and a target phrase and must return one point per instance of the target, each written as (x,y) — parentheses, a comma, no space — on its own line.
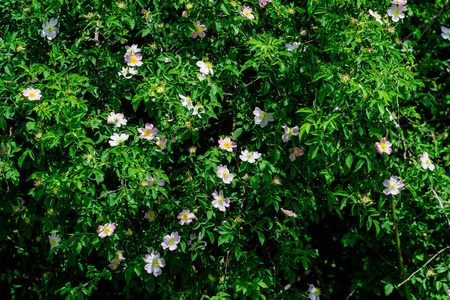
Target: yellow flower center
(250,155)
(32,94)
(317,292)
(189,5)
(220,200)
(147,14)
(227,144)
(154,180)
(159,144)
(116,119)
(225,174)
(117,256)
(53,242)
(392,186)
(263,115)
(198,29)
(428,161)
(133,59)
(106,229)
(171,241)
(396,12)
(247,13)
(49,28)
(383,146)
(208,64)
(147,132)
(184,216)
(155,263)
(291,132)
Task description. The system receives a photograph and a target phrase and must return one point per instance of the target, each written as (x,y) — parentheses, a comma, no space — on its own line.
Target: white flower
(171,241)
(117,119)
(445,33)
(261,117)
(219,201)
(154,263)
(186,101)
(54,240)
(294,47)
(127,70)
(117,139)
(205,67)
(250,157)
(376,16)
(133,49)
(49,29)
(405,47)
(392,186)
(426,161)
(396,12)
(288,132)
(314,293)
(197,111)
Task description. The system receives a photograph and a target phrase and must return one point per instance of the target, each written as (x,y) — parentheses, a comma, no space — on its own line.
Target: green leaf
(261,237)
(389,288)
(349,160)
(222,239)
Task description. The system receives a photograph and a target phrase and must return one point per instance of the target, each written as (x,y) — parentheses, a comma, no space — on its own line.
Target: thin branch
(432,20)
(440,204)
(434,256)
(106,194)
(226,267)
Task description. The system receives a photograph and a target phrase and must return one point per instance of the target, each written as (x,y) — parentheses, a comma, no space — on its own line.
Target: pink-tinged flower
(247,12)
(18,207)
(383,146)
(148,132)
(150,216)
(376,16)
(115,262)
(106,230)
(196,242)
(154,180)
(289,132)
(49,29)
(133,49)
(117,119)
(250,157)
(261,117)
(314,293)
(294,47)
(133,59)
(197,111)
(295,152)
(399,2)
(148,18)
(186,217)
(161,143)
(393,186)
(262,3)
(426,161)
(171,241)
(227,144)
(127,72)
(30,81)
(396,12)
(289,213)
(186,101)
(117,139)
(32,94)
(154,263)
(205,67)
(54,240)
(219,201)
(184,14)
(224,174)
(199,30)
(445,33)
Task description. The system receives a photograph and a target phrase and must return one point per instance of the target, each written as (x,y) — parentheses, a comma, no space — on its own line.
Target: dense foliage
(225,149)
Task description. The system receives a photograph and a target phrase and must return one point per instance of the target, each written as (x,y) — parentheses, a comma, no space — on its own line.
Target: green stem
(399,250)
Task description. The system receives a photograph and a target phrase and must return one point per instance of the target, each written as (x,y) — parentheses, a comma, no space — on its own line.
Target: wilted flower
(405,47)
(133,59)
(289,213)
(117,139)
(184,14)
(224,174)
(171,241)
(199,30)
(147,16)
(247,12)
(294,152)
(148,132)
(399,2)
(185,217)
(32,94)
(196,242)
(276,180)
(219,201)
(393,186)
(384,146)
(314,293)
(345,78)
(192,150)
(121,4)
(376,16)
(54,240)
(49,29)
(161,143)
(227,144)
(154,263)
(155,180)
(106,230)
(114,263)
(197,111)
(396,12)
(117,119)
(426,161)
(445,33)
(133,49)
(18,207)
(150,216)
(288,132)
(250,157)
(261,117)
(126,71)
(294,47)
(205,67)
(186,101)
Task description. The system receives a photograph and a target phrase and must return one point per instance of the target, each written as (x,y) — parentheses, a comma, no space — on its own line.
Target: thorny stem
(399,250)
